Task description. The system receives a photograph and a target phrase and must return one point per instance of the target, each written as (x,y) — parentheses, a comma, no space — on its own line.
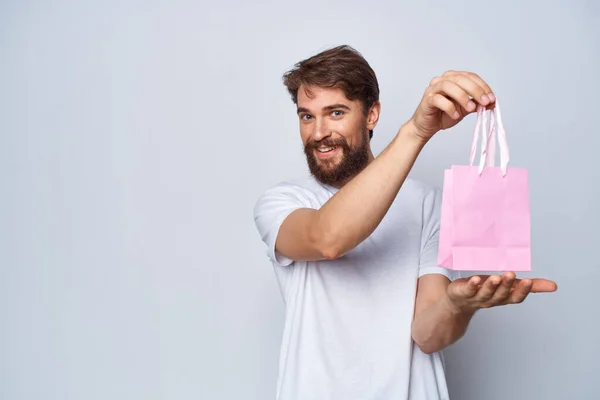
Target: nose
(321,130)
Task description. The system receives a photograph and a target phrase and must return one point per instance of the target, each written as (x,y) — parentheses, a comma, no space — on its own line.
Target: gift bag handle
(488,141)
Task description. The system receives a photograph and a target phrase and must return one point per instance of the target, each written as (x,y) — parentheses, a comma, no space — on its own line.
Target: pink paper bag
(485,217)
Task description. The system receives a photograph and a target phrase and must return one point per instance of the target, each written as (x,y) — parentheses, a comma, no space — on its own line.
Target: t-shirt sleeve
(430,238)
(271,209)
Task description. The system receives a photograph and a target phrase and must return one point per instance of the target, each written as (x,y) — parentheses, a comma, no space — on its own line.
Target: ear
(373,115)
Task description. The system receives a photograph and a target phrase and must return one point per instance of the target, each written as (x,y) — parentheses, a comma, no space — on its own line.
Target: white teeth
(325,149)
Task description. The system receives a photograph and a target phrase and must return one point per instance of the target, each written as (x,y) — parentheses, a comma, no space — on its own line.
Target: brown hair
(341,67)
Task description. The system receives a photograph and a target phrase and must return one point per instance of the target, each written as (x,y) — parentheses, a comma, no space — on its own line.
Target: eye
(306,117)
(337,113)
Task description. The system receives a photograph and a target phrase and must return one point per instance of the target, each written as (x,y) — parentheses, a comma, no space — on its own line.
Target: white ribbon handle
(488,141)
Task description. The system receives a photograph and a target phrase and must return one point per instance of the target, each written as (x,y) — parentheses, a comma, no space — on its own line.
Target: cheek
(351,130)
(343,128)
(305,134)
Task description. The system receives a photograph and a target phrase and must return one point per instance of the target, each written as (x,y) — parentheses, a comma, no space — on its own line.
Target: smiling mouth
(326,149)
(327,154)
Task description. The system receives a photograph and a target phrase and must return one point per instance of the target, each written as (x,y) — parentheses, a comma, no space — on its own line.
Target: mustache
(312,144)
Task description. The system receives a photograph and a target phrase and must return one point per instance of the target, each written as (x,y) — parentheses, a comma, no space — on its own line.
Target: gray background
(136,136)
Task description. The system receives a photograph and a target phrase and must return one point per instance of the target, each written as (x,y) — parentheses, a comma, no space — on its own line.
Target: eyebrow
(326,108)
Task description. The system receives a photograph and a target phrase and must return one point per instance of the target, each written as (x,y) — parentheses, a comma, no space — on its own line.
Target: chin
(328,166)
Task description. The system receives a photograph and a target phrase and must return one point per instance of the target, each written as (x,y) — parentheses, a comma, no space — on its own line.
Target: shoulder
(300,187)
(280,200)
(301,190)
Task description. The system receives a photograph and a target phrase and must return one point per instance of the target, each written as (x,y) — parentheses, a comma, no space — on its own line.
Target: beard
(337,173)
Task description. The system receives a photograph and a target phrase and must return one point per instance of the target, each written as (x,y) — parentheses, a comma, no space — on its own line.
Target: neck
(371,157)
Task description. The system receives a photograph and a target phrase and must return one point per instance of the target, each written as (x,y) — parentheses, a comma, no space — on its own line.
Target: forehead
(317,97)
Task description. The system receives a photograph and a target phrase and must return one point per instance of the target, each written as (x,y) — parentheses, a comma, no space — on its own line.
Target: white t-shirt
(347,332)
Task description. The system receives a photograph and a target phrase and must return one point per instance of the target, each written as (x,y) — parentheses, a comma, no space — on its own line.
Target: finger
(444,104)
(488,289)
(481,83)
(543,286)
(472,87)
(504,289)
(520,291)
(471,287)
(434,81)
(473,76)
(454,92)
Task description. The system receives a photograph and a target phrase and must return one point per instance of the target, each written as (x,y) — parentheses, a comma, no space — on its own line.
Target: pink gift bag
(485,217)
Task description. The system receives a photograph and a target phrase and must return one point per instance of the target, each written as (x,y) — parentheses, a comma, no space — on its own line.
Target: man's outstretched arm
(358,207)
(443,310)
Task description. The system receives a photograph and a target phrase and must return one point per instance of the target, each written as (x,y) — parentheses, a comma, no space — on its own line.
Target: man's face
(335,134)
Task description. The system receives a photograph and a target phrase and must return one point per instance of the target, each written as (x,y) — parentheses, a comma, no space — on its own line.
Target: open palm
(484,291)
